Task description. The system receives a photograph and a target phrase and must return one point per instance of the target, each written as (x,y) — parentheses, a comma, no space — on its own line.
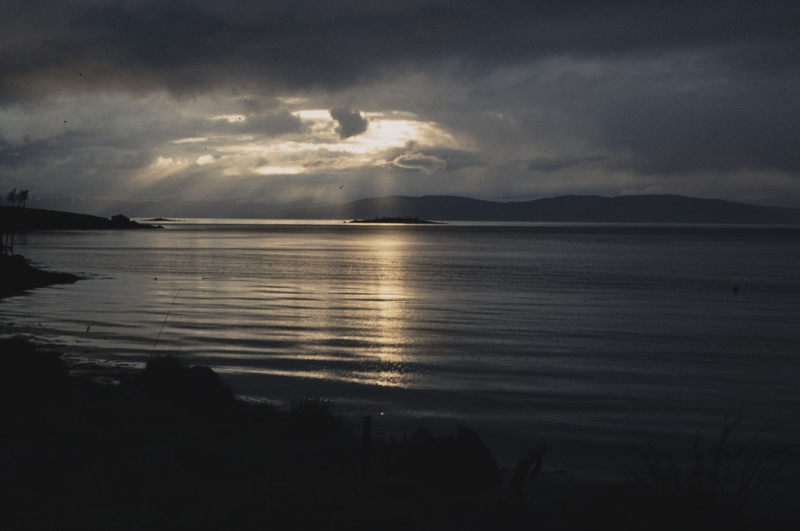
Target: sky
(298,102)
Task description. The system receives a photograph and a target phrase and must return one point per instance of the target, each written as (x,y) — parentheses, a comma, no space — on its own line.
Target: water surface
(587,337)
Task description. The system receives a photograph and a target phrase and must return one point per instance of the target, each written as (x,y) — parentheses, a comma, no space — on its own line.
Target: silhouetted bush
(528,467)
(724,471)
(454,465)
(166,378)
(314,416)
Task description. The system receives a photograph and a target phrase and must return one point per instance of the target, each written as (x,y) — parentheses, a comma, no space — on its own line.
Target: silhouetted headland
(17,275)
(26,219)
(398,220)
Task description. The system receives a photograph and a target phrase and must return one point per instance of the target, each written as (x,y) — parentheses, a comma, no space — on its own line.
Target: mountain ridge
(661,208)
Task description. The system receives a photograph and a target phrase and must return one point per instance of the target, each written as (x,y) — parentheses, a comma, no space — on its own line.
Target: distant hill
(21,219)
(571,208)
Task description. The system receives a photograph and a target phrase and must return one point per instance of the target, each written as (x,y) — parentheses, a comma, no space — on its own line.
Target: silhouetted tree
(22,197)
(12,196)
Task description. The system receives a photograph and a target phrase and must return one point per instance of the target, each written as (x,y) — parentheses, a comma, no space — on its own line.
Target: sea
(602,342)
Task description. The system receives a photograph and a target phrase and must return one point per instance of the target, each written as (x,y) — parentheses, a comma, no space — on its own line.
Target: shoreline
(552,490)
(196,398)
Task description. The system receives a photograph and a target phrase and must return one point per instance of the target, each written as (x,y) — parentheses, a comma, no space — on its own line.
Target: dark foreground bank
(170,447)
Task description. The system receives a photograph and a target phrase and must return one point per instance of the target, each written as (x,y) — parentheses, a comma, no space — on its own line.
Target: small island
(398,220)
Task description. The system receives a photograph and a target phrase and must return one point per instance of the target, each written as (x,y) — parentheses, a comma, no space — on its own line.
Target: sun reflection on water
(390,315)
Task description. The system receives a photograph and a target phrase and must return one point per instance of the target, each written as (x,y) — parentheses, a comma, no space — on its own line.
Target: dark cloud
(733,126)
(33,154)
(258,106)
(13,156)
(670,93)
(550,164)
(350,121)
(275,123)
(268,124)
(194,46)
